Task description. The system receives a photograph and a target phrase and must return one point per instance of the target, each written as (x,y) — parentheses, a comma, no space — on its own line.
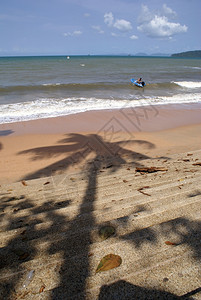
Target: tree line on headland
(188,54)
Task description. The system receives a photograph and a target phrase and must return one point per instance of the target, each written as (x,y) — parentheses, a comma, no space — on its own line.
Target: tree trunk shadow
(73,273)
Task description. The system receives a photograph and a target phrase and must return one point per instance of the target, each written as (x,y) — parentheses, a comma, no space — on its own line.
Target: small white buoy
(68,57)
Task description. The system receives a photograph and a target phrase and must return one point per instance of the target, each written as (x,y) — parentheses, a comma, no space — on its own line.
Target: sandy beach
(47,147)
(64,179)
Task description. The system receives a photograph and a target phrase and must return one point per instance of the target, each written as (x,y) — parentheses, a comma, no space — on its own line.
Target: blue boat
(134,81)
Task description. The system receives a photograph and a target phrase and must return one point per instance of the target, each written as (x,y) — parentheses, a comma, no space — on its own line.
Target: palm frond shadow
(80,148)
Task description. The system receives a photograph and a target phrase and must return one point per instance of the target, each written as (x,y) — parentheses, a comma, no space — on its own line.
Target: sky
(104,27)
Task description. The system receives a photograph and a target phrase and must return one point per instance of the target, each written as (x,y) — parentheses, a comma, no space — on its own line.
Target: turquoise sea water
(42,87)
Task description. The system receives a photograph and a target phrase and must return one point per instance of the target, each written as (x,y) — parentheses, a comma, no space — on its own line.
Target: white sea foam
(188,84)
(51,84)
(46,108)
(195,68)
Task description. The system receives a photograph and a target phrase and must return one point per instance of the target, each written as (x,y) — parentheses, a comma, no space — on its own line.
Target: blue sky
(75,27)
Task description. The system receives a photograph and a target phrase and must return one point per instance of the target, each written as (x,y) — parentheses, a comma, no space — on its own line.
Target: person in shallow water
(139,80)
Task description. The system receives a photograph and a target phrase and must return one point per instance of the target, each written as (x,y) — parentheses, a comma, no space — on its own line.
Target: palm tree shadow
(79,148)
(73,275)
(74,247)
(97,153)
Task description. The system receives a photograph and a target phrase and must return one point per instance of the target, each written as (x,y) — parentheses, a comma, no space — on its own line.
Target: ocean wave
(194,68)
(47,87)
(58,87)
(188,84)
(51,84)
(47,108)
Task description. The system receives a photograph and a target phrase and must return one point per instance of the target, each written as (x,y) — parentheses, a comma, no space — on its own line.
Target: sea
(35,87)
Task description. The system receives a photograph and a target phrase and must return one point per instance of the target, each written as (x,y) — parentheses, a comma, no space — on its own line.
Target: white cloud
(145,15)
(108,18)
(169,12)
(158,25)
(77,32)
(98,28)
(122,25)
(133,37)
(74,33)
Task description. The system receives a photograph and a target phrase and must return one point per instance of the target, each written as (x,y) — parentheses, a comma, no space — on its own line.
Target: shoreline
(139,119)
(47,147)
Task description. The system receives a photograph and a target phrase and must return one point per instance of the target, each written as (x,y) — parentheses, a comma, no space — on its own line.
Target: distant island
(188,54)
(153,54)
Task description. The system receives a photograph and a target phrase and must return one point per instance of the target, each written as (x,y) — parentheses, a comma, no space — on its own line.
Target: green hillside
(188,54)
